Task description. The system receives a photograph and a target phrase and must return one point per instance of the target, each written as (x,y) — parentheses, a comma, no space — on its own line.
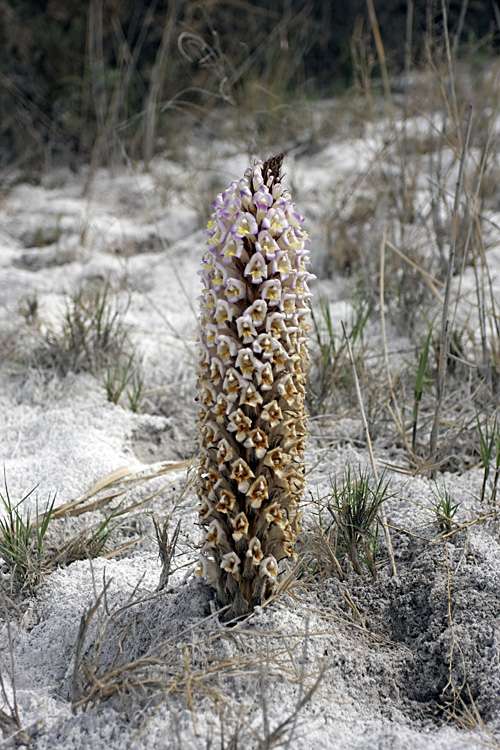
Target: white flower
(263,343)
(287,389)
(254,551)
(288,305)
(215,534)
(265,378)
(246,362)
(257,439)
(216,370)
(240,525)
(281,265)
(207,569)
(272,413)
(232,384)
(258,492)
(275,323)
(240,424)
(273,513)
(209,300)
(246,328)
(230,563)
(224,312)
(224,452)
(250,396)
(235,290)
(277,460)
(226,501)
(221,408)
(269,567)
(257,312)
(226,348)
(210,334)
(242,473)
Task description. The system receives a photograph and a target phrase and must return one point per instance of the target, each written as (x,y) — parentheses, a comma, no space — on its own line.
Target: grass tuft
(22,538)
(347,526)
(444,509)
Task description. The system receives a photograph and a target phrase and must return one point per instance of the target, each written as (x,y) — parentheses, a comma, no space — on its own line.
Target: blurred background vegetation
(102,81)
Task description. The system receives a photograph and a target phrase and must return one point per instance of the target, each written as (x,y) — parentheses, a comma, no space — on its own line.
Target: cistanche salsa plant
(251,375)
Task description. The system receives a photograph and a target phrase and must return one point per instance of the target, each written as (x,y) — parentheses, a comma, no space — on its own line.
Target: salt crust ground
(383,671)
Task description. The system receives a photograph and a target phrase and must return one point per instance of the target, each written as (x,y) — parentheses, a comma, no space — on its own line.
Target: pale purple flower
(281,265)
(244,225)
(275,323)
(262,200)
(256,268)
(271,292)
(275,221)
(232,204)
(267,245)
(232,248)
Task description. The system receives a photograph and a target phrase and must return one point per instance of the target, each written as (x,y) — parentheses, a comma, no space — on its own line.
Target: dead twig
(166,550)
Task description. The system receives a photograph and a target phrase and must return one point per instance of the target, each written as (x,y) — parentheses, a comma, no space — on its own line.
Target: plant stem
(443,350)
(370,451)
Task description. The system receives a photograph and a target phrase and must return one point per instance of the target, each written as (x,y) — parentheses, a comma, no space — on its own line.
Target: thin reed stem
(444,338)
(370,450)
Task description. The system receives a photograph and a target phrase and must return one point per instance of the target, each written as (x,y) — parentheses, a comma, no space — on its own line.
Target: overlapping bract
(252,361)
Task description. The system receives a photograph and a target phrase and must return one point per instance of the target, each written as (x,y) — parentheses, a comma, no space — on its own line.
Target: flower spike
(251,374)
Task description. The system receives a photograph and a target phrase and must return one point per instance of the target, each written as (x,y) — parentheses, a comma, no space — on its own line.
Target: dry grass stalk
(166,549)
(383,514)
(444,338)
(157,83)
(453,703)
(10,720)
(189,664)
